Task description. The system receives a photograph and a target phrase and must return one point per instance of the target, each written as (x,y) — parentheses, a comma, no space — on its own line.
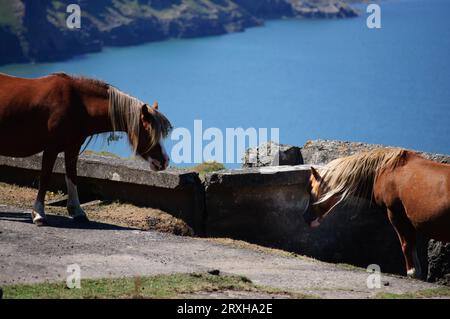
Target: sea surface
(327,79)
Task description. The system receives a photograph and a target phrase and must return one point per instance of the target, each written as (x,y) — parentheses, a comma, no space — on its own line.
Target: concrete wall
(264,206)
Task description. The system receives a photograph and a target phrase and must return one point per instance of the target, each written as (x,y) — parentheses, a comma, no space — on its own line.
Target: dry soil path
(36,254)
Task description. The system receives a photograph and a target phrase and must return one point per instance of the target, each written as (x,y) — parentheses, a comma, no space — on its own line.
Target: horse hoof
(38,220)
(411,273)
(81,219)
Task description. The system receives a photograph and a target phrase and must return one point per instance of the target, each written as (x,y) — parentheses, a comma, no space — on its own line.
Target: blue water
(330,79)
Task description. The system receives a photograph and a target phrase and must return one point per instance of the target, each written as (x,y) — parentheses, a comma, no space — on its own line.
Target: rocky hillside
(35,30)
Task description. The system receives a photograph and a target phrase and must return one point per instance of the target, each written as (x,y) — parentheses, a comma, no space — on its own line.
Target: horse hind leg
(417,265)
(38,213)
(407,236)
(73,202)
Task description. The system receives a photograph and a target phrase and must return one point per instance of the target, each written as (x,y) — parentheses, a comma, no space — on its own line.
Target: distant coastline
(34,32)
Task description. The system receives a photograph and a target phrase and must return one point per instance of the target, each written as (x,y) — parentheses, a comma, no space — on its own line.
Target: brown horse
(414,191)
(58,112)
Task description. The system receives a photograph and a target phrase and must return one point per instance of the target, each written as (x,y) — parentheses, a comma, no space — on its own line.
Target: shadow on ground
(58,221)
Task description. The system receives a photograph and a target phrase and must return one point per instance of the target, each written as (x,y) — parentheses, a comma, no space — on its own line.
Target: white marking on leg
(73,202)
(411,272)
(38,213)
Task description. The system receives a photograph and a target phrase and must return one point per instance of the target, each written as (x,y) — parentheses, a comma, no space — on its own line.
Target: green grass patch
(441,292)
(160,286)
(207,167)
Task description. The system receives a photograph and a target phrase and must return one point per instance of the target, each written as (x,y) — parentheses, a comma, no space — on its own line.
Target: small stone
(214,272)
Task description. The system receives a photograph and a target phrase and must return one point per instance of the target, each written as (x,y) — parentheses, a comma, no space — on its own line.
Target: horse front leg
(407,236)
(73,201)
(38,212)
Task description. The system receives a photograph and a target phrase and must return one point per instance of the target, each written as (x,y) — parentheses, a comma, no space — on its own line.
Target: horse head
(154,127)
(317,207)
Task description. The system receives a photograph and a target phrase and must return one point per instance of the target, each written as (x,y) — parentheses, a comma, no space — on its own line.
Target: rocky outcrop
(439,262)
(272,154)
(37,31)
(324,151)
(323,9)
(317,152)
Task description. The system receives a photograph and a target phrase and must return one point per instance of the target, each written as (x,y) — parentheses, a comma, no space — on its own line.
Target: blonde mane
(354,176)
(125,113)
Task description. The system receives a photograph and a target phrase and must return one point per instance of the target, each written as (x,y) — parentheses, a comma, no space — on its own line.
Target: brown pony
(414,191)
(58,112)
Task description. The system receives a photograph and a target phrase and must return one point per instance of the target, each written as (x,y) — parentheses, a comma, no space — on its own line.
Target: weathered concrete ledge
(110,168)
(267,176)
(178,192)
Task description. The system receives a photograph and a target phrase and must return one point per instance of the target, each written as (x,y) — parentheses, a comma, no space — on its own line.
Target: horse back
(18,94)
(32,113)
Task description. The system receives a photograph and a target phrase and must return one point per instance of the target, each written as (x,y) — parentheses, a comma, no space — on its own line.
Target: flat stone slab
(257,176)
(110,168)
(32,254)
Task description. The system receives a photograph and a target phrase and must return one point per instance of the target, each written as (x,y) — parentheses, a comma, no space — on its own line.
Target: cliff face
(35,30)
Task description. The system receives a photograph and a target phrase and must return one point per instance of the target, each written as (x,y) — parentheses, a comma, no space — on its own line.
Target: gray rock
(320,152)
(439,262)
(323,9)
(272,154)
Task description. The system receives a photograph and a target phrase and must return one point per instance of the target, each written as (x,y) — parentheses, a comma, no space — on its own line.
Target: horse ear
(145,111)
(145,115)
(155,105)
(315,173)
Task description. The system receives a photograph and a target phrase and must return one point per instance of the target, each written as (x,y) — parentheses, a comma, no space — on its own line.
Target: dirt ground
(103,250)
(115,213)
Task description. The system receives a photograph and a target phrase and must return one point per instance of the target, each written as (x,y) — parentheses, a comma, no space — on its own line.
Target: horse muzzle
(157,165)
(311,218)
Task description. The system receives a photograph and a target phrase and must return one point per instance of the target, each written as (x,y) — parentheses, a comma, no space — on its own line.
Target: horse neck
(96,103)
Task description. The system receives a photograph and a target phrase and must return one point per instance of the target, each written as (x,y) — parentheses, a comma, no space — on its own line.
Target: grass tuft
(160,286)
(207,167)
(441,292)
